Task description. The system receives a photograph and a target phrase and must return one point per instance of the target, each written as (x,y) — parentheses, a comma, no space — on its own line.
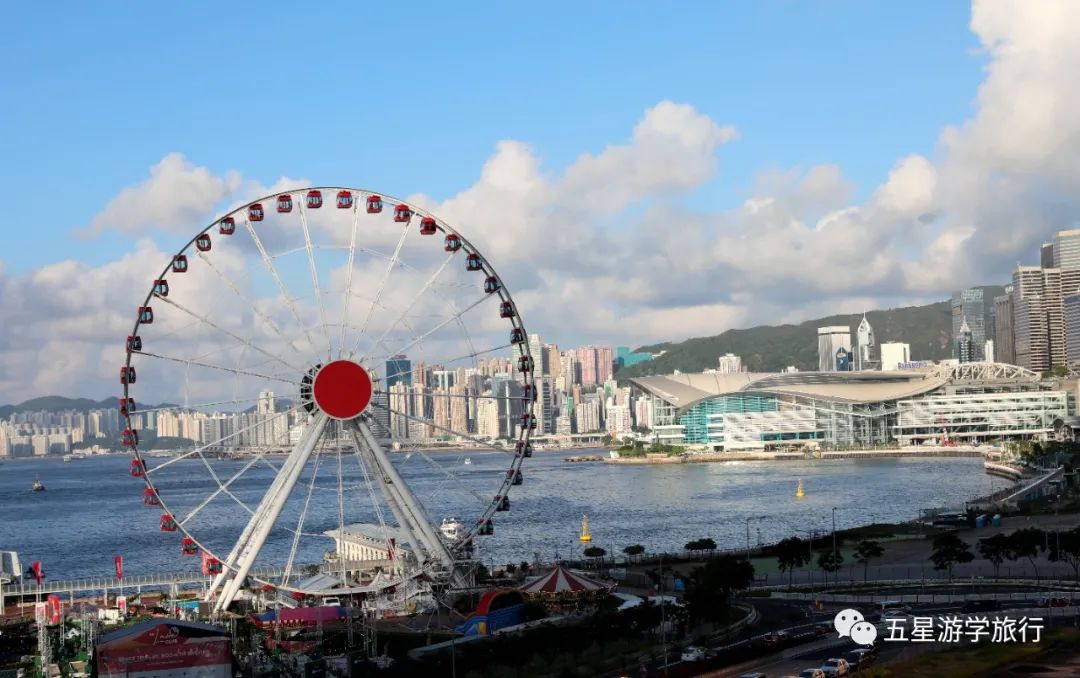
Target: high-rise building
(1046,255)
(266,403)
(618,420)
(508,393)
(1066,258)
(830,341)
(1038,326)
(1004,347)
(729,363)
(1072,328)
(965,344)
(864,341)
(988,351)
(977,308)
(399,371)
(894,353)
(605,364)
(487,418)
(587,416)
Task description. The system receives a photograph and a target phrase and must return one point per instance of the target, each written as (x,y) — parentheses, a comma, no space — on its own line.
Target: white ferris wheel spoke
(340,497)
(202,448)
(233,370)
(195,406)
(224,488)
(429,422)
(206,321)
(269,264)
(349,274)
(382,285)
(315,279)
(248,302)
(419,295)
(300,524)
(444,323)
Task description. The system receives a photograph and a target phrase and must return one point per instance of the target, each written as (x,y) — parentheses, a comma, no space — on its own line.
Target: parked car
(756,674)
(776,637)
(693,654)
(1055,600)
(811,673)
(861,658)
(835,667)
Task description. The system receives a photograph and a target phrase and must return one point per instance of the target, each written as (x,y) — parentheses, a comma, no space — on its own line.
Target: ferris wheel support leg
(391,497)
(245,536)
(415,513)
(262,521)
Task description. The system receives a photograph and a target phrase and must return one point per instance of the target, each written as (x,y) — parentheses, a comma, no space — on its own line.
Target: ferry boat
(468,461)
(38,486)
(451,529)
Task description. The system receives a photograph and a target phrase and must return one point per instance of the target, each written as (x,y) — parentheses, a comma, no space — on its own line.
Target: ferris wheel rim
(358,198)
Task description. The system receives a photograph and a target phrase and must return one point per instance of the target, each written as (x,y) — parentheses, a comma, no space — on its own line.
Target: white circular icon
(864,633)
(845,619)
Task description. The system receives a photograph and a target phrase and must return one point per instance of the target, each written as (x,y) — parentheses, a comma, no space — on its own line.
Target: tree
(950,550)
(995,549)
(1027,543)
(790,554)
(830,561)
(865,551)
(711,585)
(1065,548)
(594,552)
(705,544)
(511,568)
(634,550)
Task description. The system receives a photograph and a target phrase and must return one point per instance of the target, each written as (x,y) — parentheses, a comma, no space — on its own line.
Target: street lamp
(748,534)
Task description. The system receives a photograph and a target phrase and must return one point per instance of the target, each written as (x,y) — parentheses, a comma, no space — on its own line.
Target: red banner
(35,567)
(55,614)
(119,561)
(208,658)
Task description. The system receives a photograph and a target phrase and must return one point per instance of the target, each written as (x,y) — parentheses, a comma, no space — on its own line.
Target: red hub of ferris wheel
(342,389)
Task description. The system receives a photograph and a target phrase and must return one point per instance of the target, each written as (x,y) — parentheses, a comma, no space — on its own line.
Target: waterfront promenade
(912,452)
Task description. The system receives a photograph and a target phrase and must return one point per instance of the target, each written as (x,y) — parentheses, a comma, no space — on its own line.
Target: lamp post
(834,534)
(748,534)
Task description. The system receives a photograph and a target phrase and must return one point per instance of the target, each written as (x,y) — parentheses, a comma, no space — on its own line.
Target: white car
(811,673)
(693,654)
(835,667)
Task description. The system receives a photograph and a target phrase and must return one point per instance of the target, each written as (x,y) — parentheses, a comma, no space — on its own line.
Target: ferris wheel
(302,359)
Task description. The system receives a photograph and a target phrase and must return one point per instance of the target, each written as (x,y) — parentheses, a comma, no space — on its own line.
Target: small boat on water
(799,492)
(468,461)
(451,529)
(38,486)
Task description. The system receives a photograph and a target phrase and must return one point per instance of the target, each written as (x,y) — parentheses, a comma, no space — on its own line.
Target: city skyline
(554,206)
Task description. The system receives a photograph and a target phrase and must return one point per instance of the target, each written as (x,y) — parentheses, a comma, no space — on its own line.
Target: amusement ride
(318,342)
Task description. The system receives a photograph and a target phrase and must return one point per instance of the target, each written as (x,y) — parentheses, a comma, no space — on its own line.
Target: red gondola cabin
(168,523)
(212,566)
(524,448)
(161,288)
(314,200)
(344,200)
(502,503)
(427,226)
(137,469)
(202,243)
(491,284)
(188,547)
(284,204)
(129,438)
(134,343)
(452,242)
(255,212)
(402,214)
(506,310)
(528,393)
(528,420)
(374,204)
(127,406)
(146,315)
(517,336)
(518,479)
(179,263)
(227,226)
(473,262)
(485,528)
(127,375)
(525,363)
(149,498)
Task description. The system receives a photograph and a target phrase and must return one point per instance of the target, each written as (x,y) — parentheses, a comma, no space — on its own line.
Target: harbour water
(92,509)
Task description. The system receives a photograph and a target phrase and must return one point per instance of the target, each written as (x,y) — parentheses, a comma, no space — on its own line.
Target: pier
(584,458)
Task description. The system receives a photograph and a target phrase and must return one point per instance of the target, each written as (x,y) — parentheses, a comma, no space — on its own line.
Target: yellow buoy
(585,536)
(799,493)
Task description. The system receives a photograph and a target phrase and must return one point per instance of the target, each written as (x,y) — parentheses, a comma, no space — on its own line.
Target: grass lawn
(978,660)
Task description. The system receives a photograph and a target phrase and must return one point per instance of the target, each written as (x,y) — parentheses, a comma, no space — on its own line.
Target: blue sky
(415,100)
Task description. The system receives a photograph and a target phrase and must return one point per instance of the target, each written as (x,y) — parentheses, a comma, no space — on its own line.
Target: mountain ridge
(771,348)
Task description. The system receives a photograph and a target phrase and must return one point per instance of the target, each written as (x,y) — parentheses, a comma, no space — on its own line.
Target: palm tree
(865,551)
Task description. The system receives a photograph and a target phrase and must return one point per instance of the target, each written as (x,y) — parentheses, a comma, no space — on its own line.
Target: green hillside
(772,348)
